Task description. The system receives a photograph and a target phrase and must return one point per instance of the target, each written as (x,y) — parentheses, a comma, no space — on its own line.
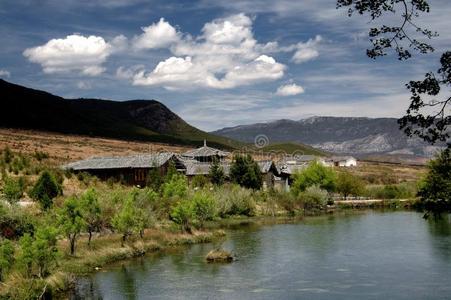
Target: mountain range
(346,135)
(147,120)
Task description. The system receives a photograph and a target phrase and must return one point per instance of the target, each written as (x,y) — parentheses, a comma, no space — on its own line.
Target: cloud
(307,51)
(225,55)
(73,53)
(4,73)
(157,35)
(290,90)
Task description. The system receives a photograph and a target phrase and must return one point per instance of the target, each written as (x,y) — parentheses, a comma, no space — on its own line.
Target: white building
(341,161)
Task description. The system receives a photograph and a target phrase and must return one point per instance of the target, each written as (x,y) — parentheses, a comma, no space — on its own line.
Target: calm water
(395,255)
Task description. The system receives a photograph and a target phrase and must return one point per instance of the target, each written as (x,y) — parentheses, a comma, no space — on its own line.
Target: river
(366,255)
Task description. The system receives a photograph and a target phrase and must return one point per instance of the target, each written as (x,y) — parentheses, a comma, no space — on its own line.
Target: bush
(91,212)
(14,222)
(14,189)
(71,221)
(216,173)
(235,200)
(45,252)
(399,191)
(176,186)
(314,174)
(124,221)
(199,181)
(246,172)
(6,257)
(204,207)
(45,189)
(183,214)
(314,198)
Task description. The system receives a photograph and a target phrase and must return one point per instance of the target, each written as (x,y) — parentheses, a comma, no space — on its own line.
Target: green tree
(6,257)
(199,181)
(404,38)
(348,184)
(176,186)
(45,189)
(154,179)
(216,173)
(71,221)
(25,257)
(183,214)
(91,212)
(435,189)
(44,249)
(171,171)
(314,174)
(13,188)
(124,220)
(314,197)
(204,207)
(246,172)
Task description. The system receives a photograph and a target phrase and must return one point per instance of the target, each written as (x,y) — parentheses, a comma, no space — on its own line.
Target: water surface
(373,255)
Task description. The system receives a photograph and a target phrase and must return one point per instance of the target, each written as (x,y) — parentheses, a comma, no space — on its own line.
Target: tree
(314,174)
(71,221)
(348,184)
(314,197)
(183,214)
(426,118)
(246,172)
(435,189)
(216,173)
(199,181)
(45,189)
(44,249)
(204,207)
(13,189)
(124,220)
(91,212)
(175,186)
(154,179)
(25,257)
(6,257)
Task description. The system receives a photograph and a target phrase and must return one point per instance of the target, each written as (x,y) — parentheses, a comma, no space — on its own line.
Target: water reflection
(395,255)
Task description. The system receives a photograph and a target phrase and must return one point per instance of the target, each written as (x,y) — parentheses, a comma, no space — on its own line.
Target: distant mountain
(336,134)
(147,120)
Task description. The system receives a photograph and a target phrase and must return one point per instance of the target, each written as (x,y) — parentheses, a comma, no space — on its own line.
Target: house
(269,173)
(205,154)
(341,161)
(133,169)
(194,167)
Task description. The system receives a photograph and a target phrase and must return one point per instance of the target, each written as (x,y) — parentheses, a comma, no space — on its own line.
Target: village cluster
(134,169)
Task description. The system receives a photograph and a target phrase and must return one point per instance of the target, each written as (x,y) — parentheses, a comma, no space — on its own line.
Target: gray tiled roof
(205,151)
(194,167)
(121,162)
(265,165)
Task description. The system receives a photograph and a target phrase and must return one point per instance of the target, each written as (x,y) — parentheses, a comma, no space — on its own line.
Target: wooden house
(132,169)
(205,154)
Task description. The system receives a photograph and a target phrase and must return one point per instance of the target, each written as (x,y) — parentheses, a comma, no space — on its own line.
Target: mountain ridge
(346,135)
(146,120)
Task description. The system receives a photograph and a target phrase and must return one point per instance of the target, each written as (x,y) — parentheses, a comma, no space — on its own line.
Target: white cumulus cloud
(4,73)
(73,53)
(290,90)
(157,35)
(225,55)
(307,51)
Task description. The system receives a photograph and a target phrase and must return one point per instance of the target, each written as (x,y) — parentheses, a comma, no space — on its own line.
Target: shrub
(154,179)
(314,197)
(14,188)
(91,212)
(6,257)
(176,186)
(288,202)
(314,174)
(199,181)
(183,214)
(246,172)
(124,221)
(45,189)
(44,249)
(8,155)
(204,207)
(235,200)
(25,257)
(14,222)
(40,155)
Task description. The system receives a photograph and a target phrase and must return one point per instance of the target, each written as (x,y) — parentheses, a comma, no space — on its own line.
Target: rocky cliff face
(337,134)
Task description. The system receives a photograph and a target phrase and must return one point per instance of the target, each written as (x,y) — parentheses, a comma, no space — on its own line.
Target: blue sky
(215,63)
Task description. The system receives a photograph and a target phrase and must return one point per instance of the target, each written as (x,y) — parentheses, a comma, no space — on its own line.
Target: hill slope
(147,120)
(335,134)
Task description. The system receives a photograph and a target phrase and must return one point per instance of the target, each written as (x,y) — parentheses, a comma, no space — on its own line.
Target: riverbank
(104,250)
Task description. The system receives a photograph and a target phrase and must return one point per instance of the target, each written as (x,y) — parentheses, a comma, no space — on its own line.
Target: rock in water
(219,255)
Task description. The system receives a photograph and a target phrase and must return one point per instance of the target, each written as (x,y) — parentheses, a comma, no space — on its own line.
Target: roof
(298,159)
(121,162)
(194,167)
(292,168)
(266,165)
(341,158)
(205,151)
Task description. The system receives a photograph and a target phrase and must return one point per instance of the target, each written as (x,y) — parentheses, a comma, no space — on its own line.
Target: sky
(215,63)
